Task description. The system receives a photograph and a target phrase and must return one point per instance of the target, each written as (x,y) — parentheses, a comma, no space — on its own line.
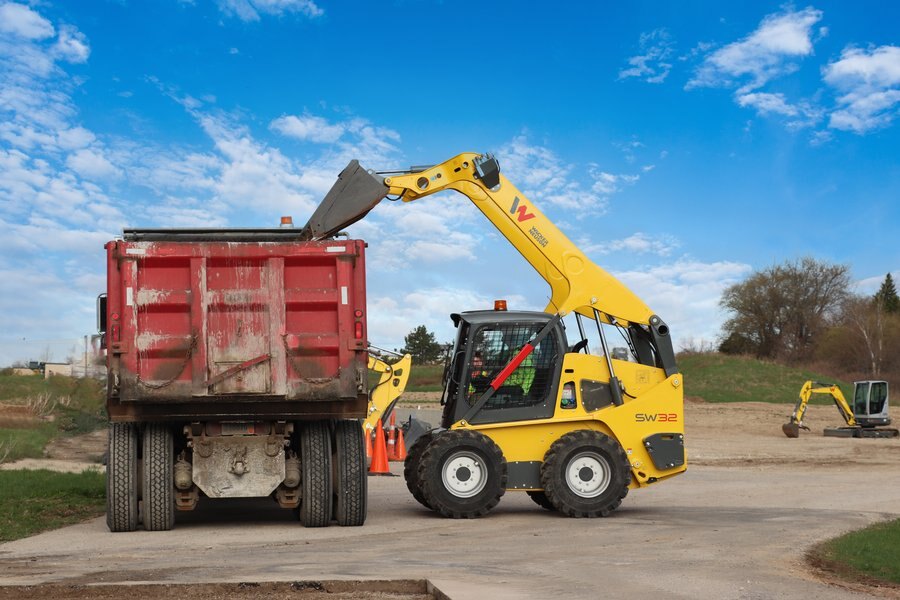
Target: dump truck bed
(235,324)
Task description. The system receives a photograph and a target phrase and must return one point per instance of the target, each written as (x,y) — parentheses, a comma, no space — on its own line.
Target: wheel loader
(527,406)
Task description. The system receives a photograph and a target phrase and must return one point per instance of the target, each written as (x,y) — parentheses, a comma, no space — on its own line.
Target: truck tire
(315,474)
(411,467)
(158,480)
(462,474)
(122,477)
(351,480)
(585,474)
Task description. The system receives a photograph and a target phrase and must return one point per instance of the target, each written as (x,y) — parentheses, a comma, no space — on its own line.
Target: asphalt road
(715,532)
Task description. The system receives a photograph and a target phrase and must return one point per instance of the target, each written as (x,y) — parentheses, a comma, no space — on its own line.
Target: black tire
(585,474)
(315,472)
(350,477)
(158,489)
(411,467)
(122,477)
(541,499)
(462,474)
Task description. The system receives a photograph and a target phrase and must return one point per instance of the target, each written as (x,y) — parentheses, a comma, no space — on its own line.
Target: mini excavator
(867,419)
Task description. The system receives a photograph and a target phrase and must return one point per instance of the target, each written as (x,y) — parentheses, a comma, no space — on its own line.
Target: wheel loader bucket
(791,429)
(353,195)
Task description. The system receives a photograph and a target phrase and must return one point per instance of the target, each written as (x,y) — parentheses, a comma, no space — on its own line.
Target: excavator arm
(576,283)
(792,428)
(391,383)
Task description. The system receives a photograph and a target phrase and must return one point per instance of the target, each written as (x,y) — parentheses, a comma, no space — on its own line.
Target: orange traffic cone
(392,439)
(368,435)
(401,446)
(379,464)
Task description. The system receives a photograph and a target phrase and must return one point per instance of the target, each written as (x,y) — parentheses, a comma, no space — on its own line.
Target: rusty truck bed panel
(207,326)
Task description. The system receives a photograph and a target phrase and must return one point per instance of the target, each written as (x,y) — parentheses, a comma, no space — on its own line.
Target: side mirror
(101,313)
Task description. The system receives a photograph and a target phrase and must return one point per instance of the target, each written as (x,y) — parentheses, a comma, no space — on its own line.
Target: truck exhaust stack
(353,195)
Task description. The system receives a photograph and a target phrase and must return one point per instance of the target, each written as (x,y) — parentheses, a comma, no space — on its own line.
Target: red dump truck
(236,368)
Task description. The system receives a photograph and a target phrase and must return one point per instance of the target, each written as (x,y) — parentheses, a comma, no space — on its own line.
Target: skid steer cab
(524,411)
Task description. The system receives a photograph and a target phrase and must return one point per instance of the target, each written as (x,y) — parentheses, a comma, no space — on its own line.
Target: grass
(724,378)
(18,443)
(44,409)
(425,378)
(36,501)
(713,377)
(864,555)
(83,393)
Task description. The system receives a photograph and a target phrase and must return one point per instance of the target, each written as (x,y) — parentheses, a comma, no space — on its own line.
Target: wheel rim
(588,474)
(464,474)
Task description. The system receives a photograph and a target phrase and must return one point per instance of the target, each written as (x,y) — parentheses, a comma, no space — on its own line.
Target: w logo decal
(523,215)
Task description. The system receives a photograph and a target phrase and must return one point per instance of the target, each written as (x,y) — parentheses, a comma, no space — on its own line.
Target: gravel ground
(736,525)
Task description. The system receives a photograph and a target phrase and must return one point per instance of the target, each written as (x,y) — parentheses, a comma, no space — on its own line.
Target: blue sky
(681,145)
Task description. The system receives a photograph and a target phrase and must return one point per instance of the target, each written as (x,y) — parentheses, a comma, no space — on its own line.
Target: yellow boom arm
(576,282)
(391,384)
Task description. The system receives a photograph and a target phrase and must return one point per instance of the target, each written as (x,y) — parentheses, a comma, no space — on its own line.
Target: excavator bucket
(353,195)
(791,429)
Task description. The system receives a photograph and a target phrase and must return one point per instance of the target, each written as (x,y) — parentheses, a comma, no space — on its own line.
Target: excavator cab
(870,403)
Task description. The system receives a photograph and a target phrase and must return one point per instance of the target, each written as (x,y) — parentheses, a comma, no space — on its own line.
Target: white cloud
(251,10)
(652,65)
(20,20)
(637,243)
(393,316)
(542,176)
(799,115)
(869,84)
(768,52)
(685,294)
(91,164)
(71,45)
(607,184)
(308,128)
(766,103)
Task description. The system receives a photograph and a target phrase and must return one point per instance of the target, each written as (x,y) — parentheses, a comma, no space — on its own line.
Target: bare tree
(778,312)
(864,317)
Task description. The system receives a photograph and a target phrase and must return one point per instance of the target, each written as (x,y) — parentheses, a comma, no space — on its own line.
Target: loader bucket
(792,430)
(353,195)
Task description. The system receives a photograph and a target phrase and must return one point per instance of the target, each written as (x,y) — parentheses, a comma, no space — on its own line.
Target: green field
(35,501)
(864,554)
(712,377)
(724,378)
(37,410)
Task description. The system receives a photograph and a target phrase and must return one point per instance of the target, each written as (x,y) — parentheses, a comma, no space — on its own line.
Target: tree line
(805,311)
